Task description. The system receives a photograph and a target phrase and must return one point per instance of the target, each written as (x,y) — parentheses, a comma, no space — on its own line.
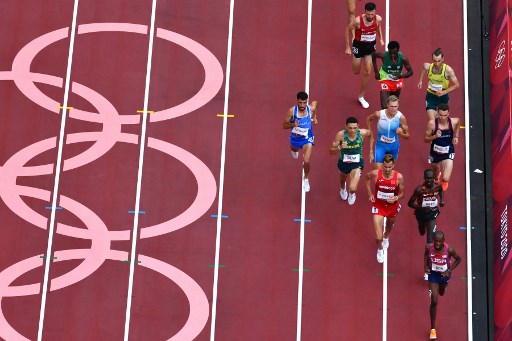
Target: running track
(259,245)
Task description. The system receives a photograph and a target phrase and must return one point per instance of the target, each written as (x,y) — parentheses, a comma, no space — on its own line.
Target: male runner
(349,143)
(443,134)
(300,119)
(390,125)
(440,75)
(438,265)
(390,75)
(389,188)
(367,27)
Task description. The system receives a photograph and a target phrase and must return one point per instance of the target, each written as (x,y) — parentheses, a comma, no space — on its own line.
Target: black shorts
(423,216)
(436,158)
(361,49)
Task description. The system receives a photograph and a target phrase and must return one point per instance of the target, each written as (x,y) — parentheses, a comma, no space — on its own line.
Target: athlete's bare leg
(389,226)
(366,75)
(384,95)
(447,166)
(307,149)
(356,65)
(343,179)
(378,221)
(351,9)
(434,292)
(355,175)
(431,114)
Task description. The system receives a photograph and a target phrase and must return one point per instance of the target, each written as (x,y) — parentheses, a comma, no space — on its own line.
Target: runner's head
(438,240)
(428,176)
(393,103)
(388,164)
(443,111)
(302,100)
(437,57)
(369,11)
(351,125)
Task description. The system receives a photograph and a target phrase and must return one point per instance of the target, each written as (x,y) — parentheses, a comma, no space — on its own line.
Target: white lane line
(386,40)
(139,176)
(468,175)
(385,295)
(58,167)
(221,176)
(303,194)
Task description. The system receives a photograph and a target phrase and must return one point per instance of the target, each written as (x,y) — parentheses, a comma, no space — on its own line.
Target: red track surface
(257,293)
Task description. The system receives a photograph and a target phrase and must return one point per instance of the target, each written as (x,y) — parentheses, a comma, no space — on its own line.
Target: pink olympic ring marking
(199,306)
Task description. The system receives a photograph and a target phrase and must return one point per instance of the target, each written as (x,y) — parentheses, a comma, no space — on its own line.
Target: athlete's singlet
(443,145)
(366,34)
(386,127)
(439,262)
(303,133)
(385,189)
(428,196)
(437,81)
(390,71)
(353,153)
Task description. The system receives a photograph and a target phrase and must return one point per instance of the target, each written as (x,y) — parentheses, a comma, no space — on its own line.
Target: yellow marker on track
(462,127)
(222,115)
(61,107)
(142,111)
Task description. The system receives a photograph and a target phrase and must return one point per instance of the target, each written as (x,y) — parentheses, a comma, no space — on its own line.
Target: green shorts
(346,167)
(432,101)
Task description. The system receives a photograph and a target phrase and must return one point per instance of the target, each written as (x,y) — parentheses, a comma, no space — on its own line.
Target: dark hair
(302,95)
(438,52)
(393,45)
(443,107)
(370,6)
(351,119)
(439,234)
(388,158)
(428,170)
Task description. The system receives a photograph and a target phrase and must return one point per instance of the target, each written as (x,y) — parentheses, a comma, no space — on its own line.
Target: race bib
(351,158)
(386,139)
(435,87)
(429,203)
(300,131)
(384,195)
(441,149)
(368,37)
(391,77)
(439,268)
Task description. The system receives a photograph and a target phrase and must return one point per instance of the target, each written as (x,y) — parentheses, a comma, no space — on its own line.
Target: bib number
(439,268)
(429,203)
(441,149)
(351,158)
(368,37)
(300,131)
(384,195)
(386,139)
(435,87)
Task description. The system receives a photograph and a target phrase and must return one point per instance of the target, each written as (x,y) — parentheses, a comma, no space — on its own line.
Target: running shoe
(363,102)
(380,255)
(351,198)
(343,194)
(295,155)
(445,185)
(385,243)
(306,185)
(433,334)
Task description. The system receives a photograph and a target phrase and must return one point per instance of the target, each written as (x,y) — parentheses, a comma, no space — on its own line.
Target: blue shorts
(432,101)
(435,277)
(298,141)
(382,149)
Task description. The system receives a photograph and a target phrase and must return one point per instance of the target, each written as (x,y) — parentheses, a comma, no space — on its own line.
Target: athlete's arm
(458,259)
(287,120)
(407,66)
(426,259)
(376,55)
(450,75)
(314,111)
(424,69)
(400,180)
(336,144)
(456,128)
(368,132)
(403,130)
(370,118)
(429,133)
(414,197)
(441,196)
(350,27)
(367,178)
(379,31)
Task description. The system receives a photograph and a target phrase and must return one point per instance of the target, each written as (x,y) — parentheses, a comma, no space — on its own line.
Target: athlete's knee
(433,300)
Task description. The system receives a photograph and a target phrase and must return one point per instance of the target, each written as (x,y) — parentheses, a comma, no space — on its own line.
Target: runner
(367,27)
(299,119)
(440,75)
(349,143)
(437,263)
(443,134)
(389,188)
(390,75)
(390,125)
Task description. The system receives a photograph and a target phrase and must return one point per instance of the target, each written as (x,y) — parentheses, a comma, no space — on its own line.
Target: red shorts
(391,86)
(386,210)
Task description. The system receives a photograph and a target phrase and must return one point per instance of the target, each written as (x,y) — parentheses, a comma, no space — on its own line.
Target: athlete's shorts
(432,100)
(423,216)
(435,277)
(391,86)
(436,158)
(298,141)
(386,210)
(347,167)
(381,149)
(361,48)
